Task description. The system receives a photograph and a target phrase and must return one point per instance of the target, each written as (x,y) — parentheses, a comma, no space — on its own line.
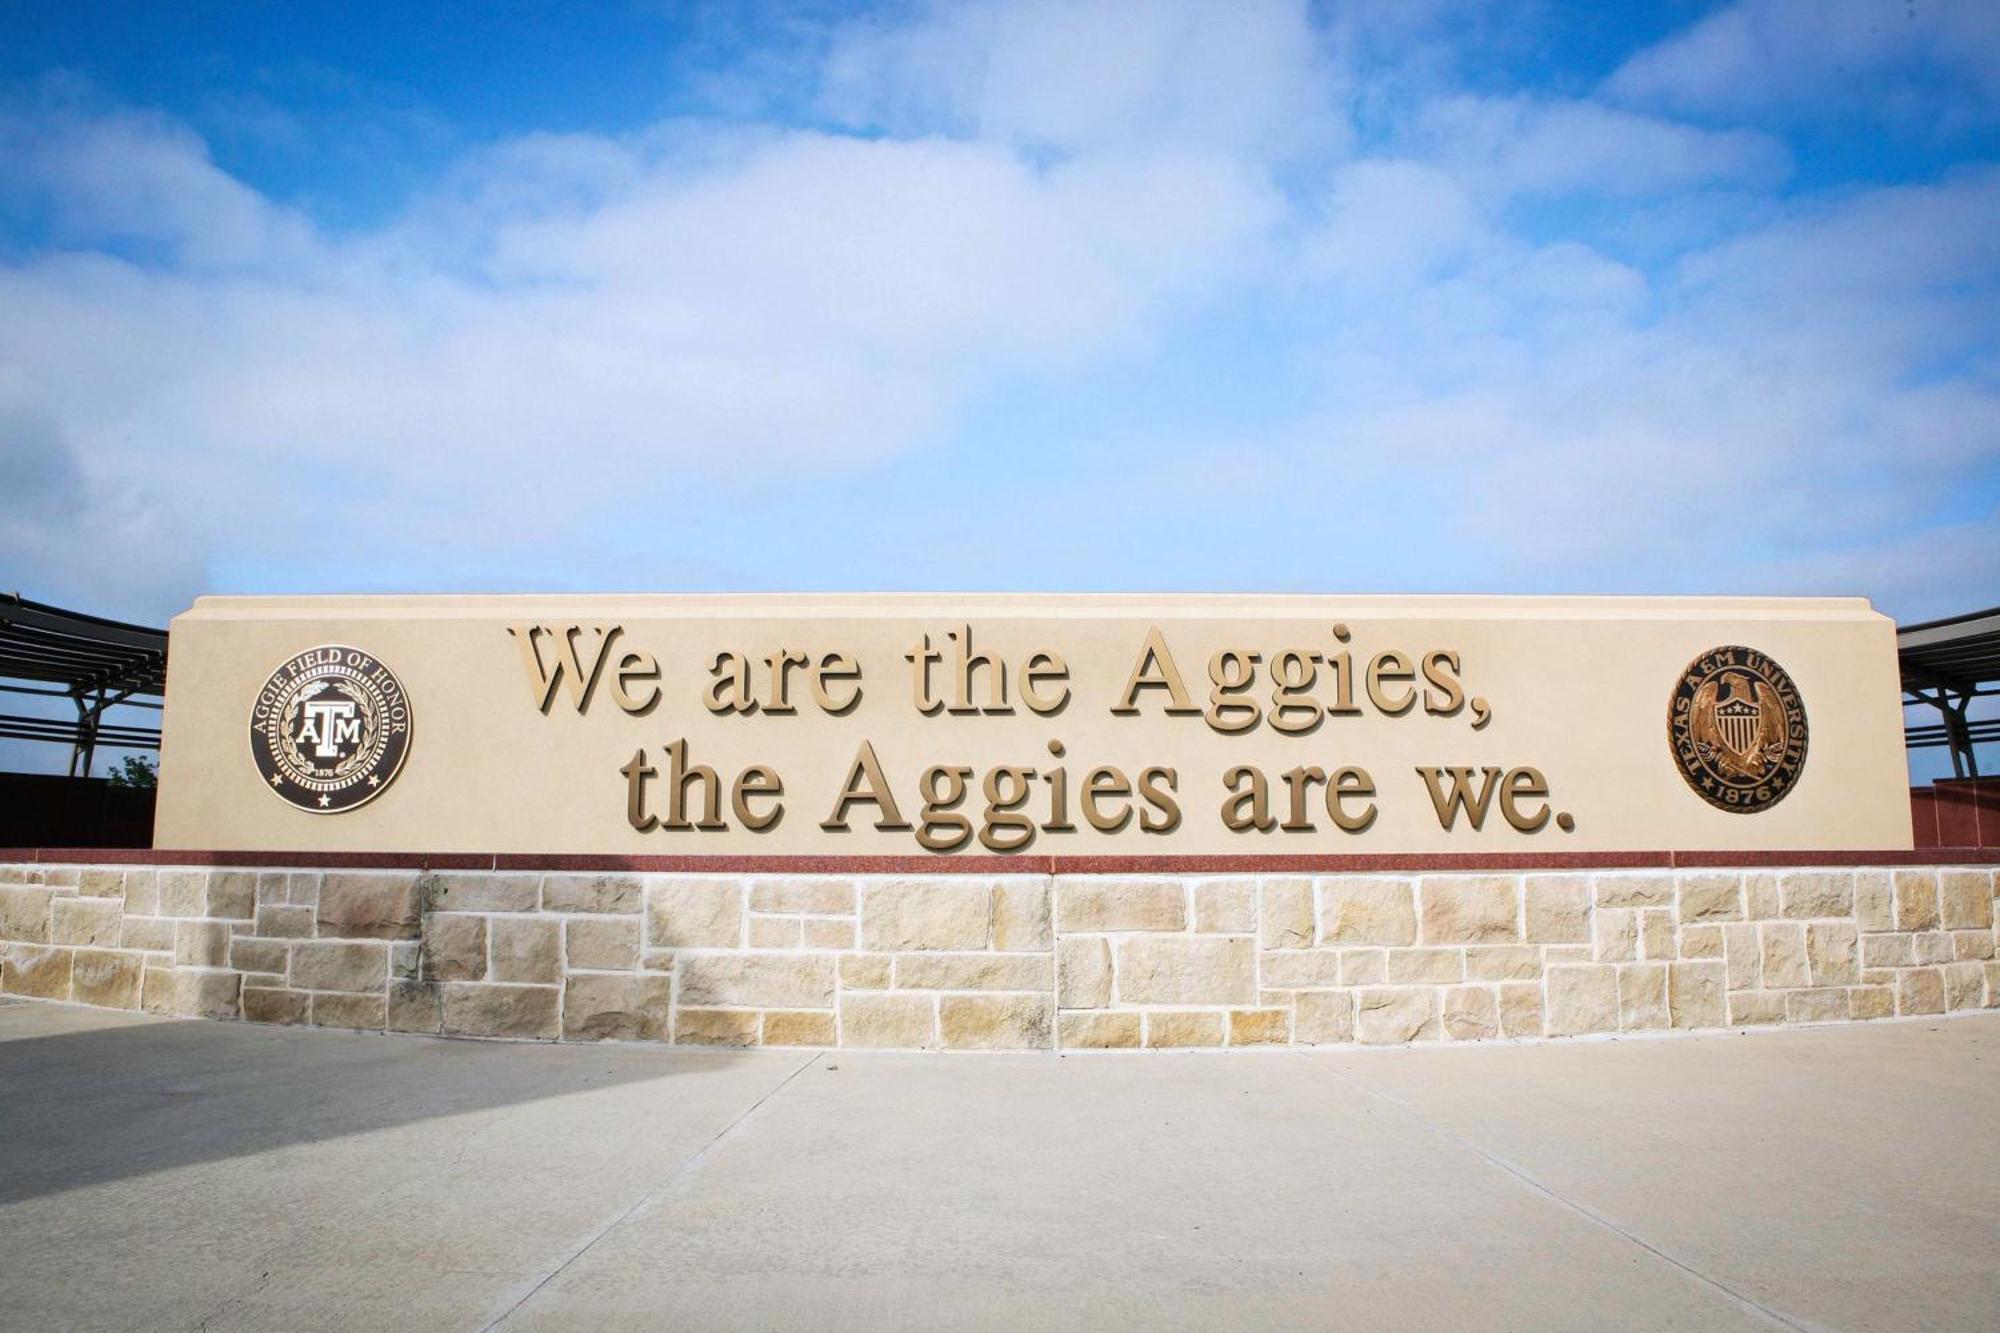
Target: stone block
(406,959)
(799,1028)
(1471,1013)
(1696,994)
(1616,935)
(828,932)
(247,953)
(1971,945)
(484,891)
(1387,1015)
(1300,969)
(1760,896)
(416,1006)
(192,992)
(1021,915)
(1556,908)
(1964,985)
(370,906)
(1093,904)
(154,934)
(1656,934)
(1804,894)
(86,921)
(1364,967)
(1931,946)
(996,1022)
(1083,966)
(872,972)
(232,894)
(1184,1028)
(363,1013)
(1260,1027)
(1920,990)
(1832,953)
(25,913)
(281,922)
(524,949)
(1784,955)
(806,896)
(1285,910)
(1701,941)
(1097,1031)
(1710,895)
(1187,969)
(887,1021)
(105,978)
(485,1009)
(1820,1005)
(1992,985)
(101,882)
(1418,965)
(716,1027)
(1520,1009)
(975,971)
(142,892)
(1323,1017)
(1888,951)
(1582,999)
(1367,909)
(201,944)
(1965,899)
(183,893)
(340,965)
(1555,954)
(1649,888)
(611,894)
(694,913)
(602,943)
(1874,900)
(1916,899)
(1865,1002)
(1225,906)
(776,932)
(1642,996)
(773,981)
(1756,1008)
(912,914)
(618,1006)
(454,946)
(1469,909)
(270,1004)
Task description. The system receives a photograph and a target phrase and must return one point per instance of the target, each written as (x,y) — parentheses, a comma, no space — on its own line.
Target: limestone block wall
(1027,961)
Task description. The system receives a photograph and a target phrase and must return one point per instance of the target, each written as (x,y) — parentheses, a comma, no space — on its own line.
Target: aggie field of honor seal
(1738,729)
(330,729)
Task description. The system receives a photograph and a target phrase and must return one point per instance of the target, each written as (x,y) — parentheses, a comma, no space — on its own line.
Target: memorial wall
(928,822)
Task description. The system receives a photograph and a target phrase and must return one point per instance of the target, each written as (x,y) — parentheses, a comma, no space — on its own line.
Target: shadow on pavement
(103,1103)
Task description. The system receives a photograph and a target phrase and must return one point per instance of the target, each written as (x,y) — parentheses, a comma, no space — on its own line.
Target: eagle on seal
(1745,751)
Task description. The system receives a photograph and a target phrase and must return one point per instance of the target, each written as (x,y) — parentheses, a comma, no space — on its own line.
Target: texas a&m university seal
(330,729)
(1738,729)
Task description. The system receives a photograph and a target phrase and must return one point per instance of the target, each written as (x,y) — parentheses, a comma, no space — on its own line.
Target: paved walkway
(158,1174)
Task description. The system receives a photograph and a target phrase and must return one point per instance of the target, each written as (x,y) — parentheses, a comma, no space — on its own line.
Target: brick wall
(1004,962)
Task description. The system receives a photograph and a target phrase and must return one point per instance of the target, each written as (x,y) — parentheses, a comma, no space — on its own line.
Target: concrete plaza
(160,1174)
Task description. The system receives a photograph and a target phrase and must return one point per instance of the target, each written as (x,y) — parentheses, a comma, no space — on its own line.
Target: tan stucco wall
(1578,689)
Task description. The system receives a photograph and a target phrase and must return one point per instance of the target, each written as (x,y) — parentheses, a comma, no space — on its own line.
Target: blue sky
(1375,297)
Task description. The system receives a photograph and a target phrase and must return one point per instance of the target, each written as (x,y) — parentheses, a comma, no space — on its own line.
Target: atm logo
(330,729)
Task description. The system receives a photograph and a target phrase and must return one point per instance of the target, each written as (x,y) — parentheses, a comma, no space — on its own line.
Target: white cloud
(1920,62)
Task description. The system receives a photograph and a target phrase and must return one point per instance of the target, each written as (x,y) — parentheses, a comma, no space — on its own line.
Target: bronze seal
(1738,729)
(330,729)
